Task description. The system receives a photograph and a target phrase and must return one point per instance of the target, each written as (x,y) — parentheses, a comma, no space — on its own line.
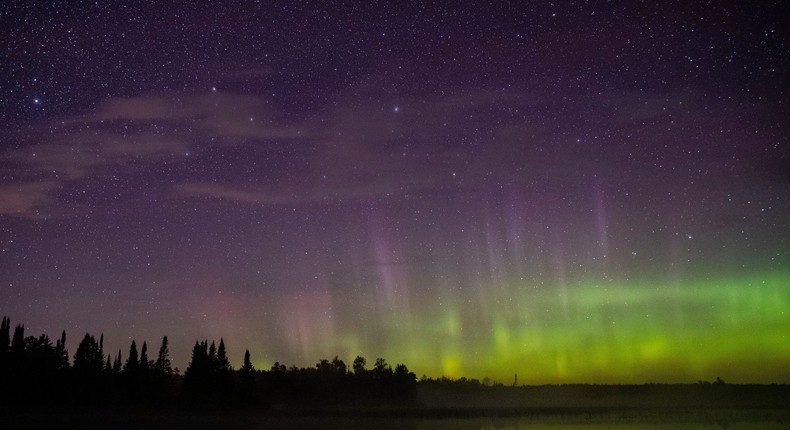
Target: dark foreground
(456,406)
(383,420)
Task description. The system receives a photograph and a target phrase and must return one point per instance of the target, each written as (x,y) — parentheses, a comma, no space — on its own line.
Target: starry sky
(570,191)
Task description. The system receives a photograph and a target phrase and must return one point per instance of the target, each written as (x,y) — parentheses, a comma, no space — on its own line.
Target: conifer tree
(247,379)
(100,352)
(162,364)
(223,363)
(212,355)
(247,366)
(132,364)
(198,363)
(117,365)
(5,336)
(18,341)
(62,352)
(5,342)
(144,357)
(88,359)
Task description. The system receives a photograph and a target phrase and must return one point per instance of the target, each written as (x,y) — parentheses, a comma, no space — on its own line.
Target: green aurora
(594,332)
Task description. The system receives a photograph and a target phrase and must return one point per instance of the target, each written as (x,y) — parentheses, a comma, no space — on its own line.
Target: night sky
(573,192)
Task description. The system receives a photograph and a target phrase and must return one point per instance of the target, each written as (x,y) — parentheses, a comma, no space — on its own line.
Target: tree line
(36,369)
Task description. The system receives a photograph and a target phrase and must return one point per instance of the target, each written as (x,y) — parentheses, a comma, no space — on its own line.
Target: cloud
(216,114)
(305,194)
(365,149)
(26,199)
(75,156)
(135,108)
(125,134)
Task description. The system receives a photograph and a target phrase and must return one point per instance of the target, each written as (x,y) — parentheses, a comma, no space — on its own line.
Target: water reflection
(529,423)
(250,420)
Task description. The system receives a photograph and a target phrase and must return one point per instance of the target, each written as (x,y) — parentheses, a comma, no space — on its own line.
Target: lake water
(115,420)
(515,423)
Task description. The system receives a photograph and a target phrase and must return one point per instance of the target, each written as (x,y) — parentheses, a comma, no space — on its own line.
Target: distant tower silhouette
(515,380)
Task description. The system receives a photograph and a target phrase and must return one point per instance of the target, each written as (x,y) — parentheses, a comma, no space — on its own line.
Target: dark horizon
(595,192)
(41,390)
(173,370)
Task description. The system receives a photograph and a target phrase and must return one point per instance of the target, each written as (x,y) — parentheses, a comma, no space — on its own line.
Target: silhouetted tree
(222,362)
(37,370)
(88,364)
(41,361)
(88,360)
(247,364)
(404,383)
(144,358)
(62,352)
(247,380)
(209,376)
(117,365)
(101,346)
(16,354)
(197,373)
(339,367)
(5,336)
(223,381)
(277,367)
(359,365)
(212,354)
(162,364)
(381,370)
(132,363)
(324,367)
(5,345)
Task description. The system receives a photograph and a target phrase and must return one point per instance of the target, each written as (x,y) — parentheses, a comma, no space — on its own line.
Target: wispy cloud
(26,199)
(130,133)
(74,156)
(214,114)
(305,194)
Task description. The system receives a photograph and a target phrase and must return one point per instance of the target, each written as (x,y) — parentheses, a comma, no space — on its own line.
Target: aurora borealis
(593,192)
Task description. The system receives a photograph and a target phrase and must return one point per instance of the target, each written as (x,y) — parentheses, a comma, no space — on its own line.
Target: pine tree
(18,341)
(197,365)
(223,363)
(132,364)
(195,376)
(162,364)
(247,365)
(247,380)
(101,346)
(144,357)
(117,365)
(16,355)
(5,342)
(88,360)
(5,336)
(212,355)
(62,352)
